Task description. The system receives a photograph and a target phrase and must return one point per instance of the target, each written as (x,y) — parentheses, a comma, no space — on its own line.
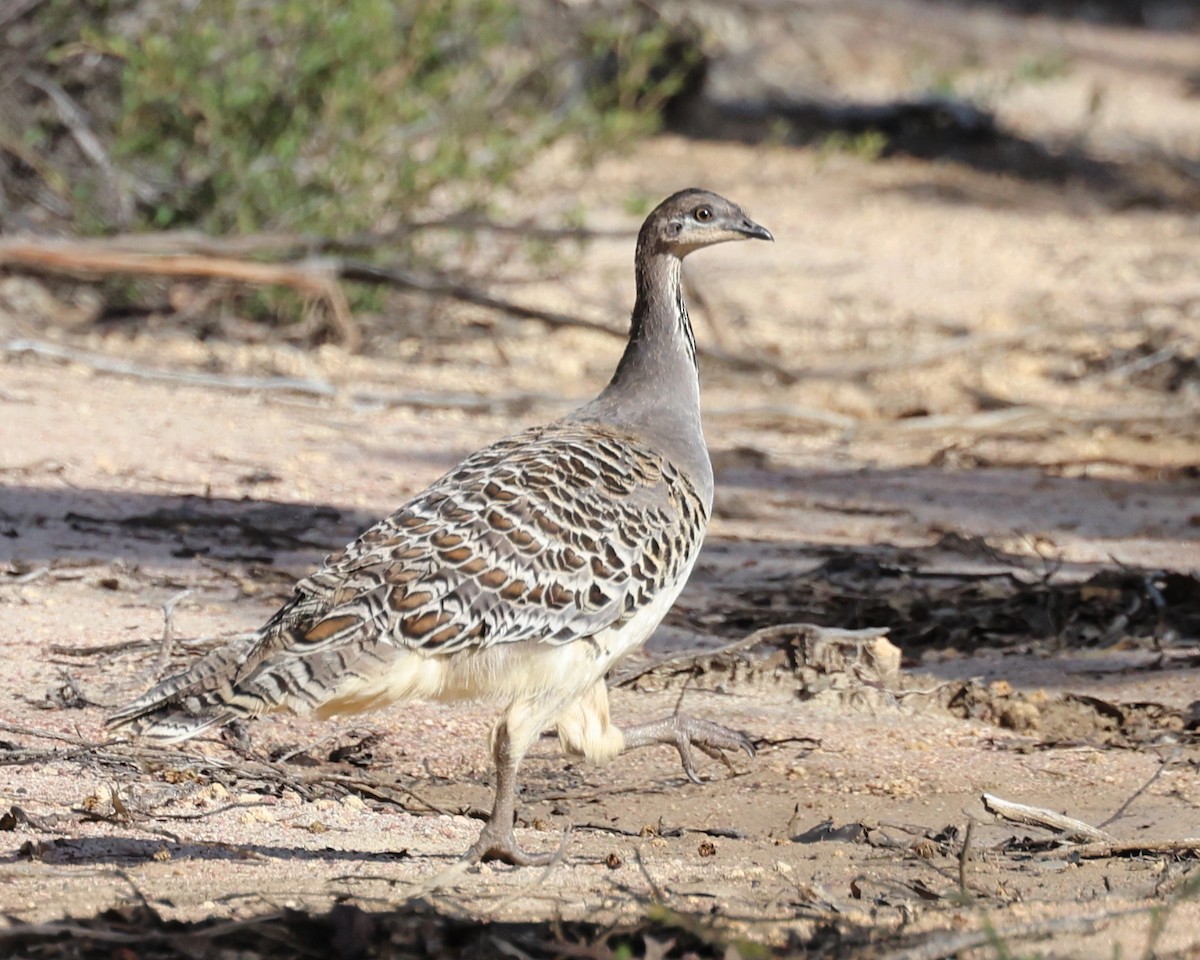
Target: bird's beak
(751,230)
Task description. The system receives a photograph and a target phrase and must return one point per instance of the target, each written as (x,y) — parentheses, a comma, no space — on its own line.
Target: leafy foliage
(338,116)
(329,118)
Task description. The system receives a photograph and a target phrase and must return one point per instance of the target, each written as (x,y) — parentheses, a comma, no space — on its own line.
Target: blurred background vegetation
(326,115)
(340,123)
(399,133)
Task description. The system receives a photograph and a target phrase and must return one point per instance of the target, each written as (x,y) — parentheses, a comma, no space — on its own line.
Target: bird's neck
(655,393)
(658,368)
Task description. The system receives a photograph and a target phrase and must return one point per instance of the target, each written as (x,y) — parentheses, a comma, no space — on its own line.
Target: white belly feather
(506,673)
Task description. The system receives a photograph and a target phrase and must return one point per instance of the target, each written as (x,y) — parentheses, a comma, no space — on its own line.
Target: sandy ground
(993,406)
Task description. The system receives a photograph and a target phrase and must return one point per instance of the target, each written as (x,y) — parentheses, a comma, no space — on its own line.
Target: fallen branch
(907,358)
(1074,830)
(128,646)
(1125,848)
(370,273)
(84,932)
(312,276)
(791,413)
(80,932)
(105,364)
(402,279)
(43,734)
(963,854)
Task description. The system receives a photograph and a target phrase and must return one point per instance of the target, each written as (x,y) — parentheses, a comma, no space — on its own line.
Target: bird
(520,577)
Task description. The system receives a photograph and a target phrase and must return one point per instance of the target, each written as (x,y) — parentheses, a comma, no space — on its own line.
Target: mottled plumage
(544,537)
(520,576)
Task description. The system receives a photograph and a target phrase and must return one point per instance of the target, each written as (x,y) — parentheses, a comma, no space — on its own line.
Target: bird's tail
(205,695)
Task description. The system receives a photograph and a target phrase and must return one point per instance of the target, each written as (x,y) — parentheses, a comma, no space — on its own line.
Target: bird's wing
(549,535)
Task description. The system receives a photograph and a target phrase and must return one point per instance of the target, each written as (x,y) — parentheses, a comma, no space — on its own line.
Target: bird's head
(692,219)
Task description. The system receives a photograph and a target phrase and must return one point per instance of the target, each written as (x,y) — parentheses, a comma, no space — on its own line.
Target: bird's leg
(683,733)
(496,840)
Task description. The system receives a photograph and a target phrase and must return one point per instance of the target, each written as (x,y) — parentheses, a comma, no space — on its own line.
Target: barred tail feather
(168,725)
(204,696)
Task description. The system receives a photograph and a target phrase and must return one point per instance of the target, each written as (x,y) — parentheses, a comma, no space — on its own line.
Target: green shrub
(313,115)
(340,116)
(334,118)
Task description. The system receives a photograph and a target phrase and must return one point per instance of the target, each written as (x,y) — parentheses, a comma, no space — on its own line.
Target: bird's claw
(499,844)
(683,733)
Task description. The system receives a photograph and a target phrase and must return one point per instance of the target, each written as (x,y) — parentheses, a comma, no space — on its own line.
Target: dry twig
(168,634)
(963,854)
(1120,811)
(76,121)
(124,368)
(1074,830)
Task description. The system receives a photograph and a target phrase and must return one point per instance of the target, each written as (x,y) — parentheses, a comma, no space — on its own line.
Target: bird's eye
(703,214)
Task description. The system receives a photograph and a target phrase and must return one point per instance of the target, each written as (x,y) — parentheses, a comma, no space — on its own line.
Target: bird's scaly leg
(496,840)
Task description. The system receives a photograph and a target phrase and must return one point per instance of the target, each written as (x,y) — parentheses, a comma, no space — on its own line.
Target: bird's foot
(684,732)
(499,843)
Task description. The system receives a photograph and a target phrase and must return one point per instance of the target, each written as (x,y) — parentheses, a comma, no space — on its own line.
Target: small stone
(1020,716)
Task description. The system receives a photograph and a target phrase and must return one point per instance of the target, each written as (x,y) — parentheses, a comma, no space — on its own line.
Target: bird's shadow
(63,851)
